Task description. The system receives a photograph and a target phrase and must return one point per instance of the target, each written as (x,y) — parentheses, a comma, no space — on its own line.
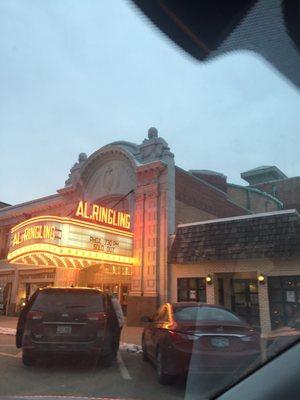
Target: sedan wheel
(162,377)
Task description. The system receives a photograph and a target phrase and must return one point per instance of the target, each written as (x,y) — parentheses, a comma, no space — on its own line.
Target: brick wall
(286,190)
(254,201)
(217,180)
(185,214)
(197,193)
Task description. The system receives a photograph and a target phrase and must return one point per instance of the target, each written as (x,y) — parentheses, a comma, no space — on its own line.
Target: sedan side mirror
(144,318)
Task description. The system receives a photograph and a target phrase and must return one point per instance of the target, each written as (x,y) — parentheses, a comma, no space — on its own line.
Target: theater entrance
(114,279)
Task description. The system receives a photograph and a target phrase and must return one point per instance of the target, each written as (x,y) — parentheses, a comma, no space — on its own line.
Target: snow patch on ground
(130,347)
(7,331)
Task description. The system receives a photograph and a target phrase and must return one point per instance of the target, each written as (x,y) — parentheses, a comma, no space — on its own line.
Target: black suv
(67,321)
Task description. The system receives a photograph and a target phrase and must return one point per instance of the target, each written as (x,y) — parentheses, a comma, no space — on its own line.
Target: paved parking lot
(129,377)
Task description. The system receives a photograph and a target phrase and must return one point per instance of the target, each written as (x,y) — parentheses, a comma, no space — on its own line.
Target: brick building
(273,181)
(77,235)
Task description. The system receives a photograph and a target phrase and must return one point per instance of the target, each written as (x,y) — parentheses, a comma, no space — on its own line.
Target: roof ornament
(154,147)
(82,157)
(152,133)
(74,171)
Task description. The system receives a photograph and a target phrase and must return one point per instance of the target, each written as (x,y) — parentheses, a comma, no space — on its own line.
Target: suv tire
(106,361)
(28,361)
(108,355)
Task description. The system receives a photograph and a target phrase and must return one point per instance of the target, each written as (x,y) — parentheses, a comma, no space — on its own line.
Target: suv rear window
(55,301)
(204,314)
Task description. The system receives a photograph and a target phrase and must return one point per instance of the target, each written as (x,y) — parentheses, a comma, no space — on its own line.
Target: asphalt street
(129,377)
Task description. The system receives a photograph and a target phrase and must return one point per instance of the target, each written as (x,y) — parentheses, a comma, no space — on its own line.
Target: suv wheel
(108,355)
(106,361)
(29,361)
(145,355)
(162,377)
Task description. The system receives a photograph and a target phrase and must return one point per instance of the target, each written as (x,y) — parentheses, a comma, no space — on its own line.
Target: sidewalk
(8,322)
(130,334)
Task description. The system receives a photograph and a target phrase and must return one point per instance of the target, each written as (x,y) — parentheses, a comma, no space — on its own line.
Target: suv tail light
(35,315)
(96,316)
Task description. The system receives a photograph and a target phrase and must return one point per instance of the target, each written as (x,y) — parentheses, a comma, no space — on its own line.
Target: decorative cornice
(44,203)
(155,166)
(70,189)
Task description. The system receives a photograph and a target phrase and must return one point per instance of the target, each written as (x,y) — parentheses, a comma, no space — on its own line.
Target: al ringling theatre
(108,227)
(112,224)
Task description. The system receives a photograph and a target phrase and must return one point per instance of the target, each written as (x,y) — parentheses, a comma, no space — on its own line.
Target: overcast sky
(76,75)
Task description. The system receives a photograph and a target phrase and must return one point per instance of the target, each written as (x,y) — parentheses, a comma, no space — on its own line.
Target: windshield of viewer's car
(138,181)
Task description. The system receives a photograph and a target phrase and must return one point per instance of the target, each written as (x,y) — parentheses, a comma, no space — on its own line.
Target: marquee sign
(51,240)
(103,215)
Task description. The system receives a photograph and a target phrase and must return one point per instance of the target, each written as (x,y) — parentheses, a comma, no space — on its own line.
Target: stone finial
(152,133)
(74,171)
(82,157)
(154,147)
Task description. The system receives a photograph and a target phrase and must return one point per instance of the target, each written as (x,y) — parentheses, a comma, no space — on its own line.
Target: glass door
(244,300)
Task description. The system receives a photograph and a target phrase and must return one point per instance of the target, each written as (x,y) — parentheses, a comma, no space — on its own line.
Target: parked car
(183,338)
(66,321)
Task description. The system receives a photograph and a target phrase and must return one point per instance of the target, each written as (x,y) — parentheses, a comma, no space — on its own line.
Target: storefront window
(288,282)
(284,299)
(191,289)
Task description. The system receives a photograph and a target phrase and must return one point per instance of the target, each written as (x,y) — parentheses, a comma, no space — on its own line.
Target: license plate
(220,342)
(63,329)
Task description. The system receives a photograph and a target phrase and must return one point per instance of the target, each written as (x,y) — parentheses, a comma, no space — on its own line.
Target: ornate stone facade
(141,180)
(137,179)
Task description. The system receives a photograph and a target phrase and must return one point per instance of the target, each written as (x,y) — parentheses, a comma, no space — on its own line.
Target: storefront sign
(69,237)
(34,232)
(290,296)
(96,213)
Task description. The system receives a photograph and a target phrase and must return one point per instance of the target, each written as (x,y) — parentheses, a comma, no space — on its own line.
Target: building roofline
(241,217)
(4,204)
(256,190)
(207,172)
(276,181)
(262,170)
(215,188)
(5,210)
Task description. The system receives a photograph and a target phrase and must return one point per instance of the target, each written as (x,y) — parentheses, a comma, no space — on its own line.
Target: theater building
(113,223)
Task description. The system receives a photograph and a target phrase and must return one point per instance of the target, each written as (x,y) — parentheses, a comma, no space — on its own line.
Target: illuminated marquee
(94,212)
(34,232)
(50,240)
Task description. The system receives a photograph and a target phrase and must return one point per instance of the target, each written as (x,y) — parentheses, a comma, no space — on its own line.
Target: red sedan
(184,338)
